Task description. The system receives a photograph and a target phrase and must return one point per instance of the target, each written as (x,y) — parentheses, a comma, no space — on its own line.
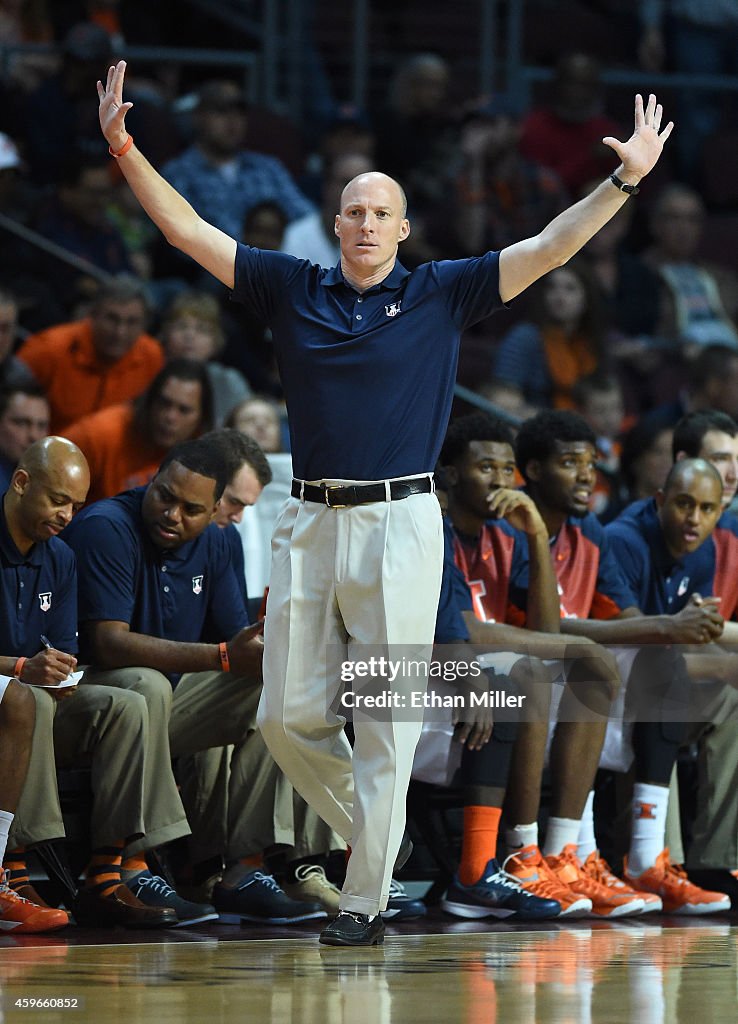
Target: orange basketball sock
(479,843)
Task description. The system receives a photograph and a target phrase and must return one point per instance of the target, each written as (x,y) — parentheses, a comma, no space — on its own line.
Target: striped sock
(16,869)
(479,843)
(103,872)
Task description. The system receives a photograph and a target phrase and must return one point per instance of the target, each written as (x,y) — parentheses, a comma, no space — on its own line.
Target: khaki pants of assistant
(715,831)
(223,796)
(344,581)
(211,709)
(108,730)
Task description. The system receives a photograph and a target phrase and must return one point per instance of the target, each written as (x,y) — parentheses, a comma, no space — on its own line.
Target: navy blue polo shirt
(660,584)
(124,577)
(368,377)
(38,595)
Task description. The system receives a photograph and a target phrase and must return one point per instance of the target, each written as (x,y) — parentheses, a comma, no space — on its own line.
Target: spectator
(60,109)
(259,417)
(691,38)
(218,176)
(76,218)
(105,358)
(415,132)
(124,444)
(38,302)
(313,236)
(501,195)
(629,289)
(24,418)
(599,401)
(645,460)
(249,347)
(566,134)
(12,371)
(192,329)
(699,300)
(546,356)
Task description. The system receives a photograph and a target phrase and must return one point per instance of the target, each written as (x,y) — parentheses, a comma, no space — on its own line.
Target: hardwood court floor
(658,971)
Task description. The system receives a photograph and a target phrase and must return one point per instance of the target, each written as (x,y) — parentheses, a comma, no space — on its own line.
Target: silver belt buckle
(328,490)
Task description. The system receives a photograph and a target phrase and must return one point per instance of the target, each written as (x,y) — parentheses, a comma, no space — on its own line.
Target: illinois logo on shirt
(393,309)
(197,584)
(45,601)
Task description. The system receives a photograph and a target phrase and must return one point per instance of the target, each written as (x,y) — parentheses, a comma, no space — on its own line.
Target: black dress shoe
(403,854)
(120,907)
(350,929)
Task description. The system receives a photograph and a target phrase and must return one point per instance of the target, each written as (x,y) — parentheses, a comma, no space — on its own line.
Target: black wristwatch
(632,190)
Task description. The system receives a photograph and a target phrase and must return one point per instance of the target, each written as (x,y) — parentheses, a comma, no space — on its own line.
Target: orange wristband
(225,663)
(19,667)
(124,148)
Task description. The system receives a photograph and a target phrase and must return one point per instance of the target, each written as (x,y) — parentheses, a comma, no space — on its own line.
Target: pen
(46,642)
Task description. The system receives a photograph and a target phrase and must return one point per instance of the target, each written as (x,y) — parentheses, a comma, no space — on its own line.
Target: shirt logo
(197,584)
(45,601)
(683,586)
(394,309)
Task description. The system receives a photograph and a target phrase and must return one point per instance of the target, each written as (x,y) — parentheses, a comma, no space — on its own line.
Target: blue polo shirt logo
(197,584)
(393,309)
(45,601)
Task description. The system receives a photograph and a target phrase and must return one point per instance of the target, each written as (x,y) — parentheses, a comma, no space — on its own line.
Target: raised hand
(640,153)
(112,111)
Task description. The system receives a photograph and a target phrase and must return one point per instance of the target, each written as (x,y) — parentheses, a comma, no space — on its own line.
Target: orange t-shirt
(76,382)
(118,456)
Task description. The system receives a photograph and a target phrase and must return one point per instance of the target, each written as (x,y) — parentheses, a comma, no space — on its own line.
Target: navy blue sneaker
(258,898)
(497,894)
(155,892)
(400,906)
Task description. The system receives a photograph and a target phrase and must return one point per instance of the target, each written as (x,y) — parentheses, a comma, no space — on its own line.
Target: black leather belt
(342,496)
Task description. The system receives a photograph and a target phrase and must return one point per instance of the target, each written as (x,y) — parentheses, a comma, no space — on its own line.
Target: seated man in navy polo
(153,570)
(100,727)
(287,833)
(666,555)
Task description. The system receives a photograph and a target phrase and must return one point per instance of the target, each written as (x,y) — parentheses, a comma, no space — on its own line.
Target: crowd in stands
(573,530)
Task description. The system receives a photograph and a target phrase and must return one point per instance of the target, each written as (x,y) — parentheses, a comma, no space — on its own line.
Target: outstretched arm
(524,262)
(173,215)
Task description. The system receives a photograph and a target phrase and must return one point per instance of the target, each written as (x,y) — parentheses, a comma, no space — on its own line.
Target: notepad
(71,680)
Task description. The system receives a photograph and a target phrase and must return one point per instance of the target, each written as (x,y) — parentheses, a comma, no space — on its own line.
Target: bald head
(52,454)
(371,181)
(370,225)
(689,505)
(49,485)
(685,471)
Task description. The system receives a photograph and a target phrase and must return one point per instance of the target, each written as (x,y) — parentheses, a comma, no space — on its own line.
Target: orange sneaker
(530,870)
(606,901)
(596,867)
(678,894)
(20,916)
